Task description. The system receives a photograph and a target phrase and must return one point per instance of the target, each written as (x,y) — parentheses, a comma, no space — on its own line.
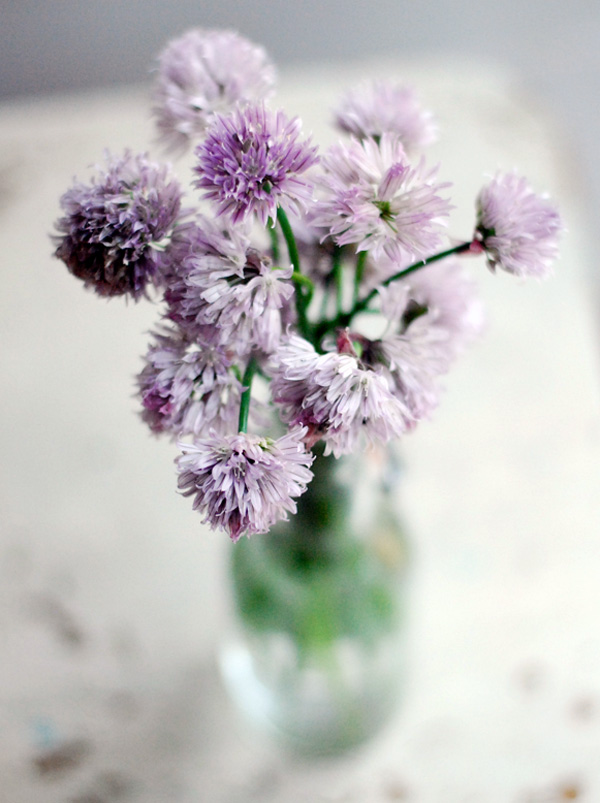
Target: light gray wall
(51,45)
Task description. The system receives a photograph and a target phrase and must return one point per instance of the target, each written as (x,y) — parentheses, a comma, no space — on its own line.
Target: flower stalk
(303,287)
(343,319)
(246,394)
(359,273)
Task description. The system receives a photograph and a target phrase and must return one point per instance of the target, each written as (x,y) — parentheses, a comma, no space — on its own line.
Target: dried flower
(251,162)
(517,229)
(335,396)
(203,72)
(373,197)
(111,228)
(244,483)
(384,107)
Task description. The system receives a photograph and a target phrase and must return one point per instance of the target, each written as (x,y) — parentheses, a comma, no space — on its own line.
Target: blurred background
(48,46)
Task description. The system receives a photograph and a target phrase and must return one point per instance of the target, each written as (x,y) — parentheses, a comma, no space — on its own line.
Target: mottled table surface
(113,597)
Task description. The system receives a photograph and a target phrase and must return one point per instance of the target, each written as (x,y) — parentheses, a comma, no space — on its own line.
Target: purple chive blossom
(175,253)
(374,198)
(112,226)
(204,72)
(228,285)
(432,314)
(414,362)
(517,229)
(251,162)
(335,396)
(383,107)
(198,237)
(187,388)
(440,301)
(244,483)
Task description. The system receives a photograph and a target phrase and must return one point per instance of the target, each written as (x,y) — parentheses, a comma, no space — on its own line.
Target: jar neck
(323,521)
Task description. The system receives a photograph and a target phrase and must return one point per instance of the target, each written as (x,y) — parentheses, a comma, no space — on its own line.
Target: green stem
(457,249)
(246,394)
(338,276)
(303,281)
(274,240)
(345,318)
(290,240)
(359,273)
(302,298)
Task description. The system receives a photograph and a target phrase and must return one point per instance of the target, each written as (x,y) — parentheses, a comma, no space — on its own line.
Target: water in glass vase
(317,655)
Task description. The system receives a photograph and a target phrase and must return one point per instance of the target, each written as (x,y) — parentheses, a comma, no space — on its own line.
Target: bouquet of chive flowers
(305,297)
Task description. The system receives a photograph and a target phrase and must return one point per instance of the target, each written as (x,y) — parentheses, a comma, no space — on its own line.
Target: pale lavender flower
(113,226)
(371,196)
(384,107)
(225,283)
(249,310)
(432,313)
(199,239)
(244,483)
(439,301)
(251,162)
(179,247)
(335,396)
(413,362)
(186,387)
(517,229)
(204,72)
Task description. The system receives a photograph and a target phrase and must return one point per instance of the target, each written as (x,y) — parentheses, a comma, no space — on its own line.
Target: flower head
(187,387)
(383,107)
(228,285)
(373,197)
(438,303)
(517,229)
(413,364)
(112,225)
(251,162)
(203,72)
(244,483)
(335,396)
(432,314)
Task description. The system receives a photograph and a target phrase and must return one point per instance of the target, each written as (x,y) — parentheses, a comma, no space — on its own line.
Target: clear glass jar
(317,655)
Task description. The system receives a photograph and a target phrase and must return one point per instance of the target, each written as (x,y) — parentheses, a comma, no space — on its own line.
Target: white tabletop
(113,597)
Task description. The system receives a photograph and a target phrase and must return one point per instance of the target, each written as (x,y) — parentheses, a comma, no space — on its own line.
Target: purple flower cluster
(113,227)
(202,73)
(373,197)
(244,483)
(438,304)
(224,285)
(187,387)
(335,396)
(317,294)
(373,390)
(517,229)
(251,162)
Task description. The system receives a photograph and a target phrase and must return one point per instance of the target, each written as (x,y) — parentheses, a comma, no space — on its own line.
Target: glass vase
(317,654)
